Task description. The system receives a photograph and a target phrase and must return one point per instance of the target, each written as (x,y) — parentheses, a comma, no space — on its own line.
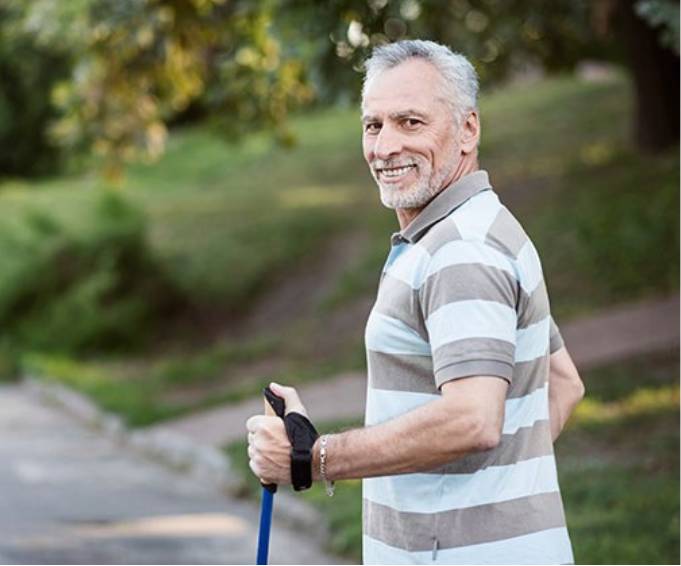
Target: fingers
(268,449)
(291,398)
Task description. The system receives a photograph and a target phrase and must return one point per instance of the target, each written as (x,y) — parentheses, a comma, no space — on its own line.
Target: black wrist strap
(302,435)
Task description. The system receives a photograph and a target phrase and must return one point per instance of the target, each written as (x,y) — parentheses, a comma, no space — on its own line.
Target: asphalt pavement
(71,495)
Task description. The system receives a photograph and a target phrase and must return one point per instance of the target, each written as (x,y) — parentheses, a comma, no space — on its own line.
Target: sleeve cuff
(458,370)
(556,340)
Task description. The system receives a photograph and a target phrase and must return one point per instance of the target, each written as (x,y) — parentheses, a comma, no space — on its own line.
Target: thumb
(290,397)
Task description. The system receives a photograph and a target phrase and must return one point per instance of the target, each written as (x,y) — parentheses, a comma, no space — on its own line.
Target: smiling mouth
(395,172)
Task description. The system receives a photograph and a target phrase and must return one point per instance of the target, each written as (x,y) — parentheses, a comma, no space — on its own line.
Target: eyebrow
(401,115)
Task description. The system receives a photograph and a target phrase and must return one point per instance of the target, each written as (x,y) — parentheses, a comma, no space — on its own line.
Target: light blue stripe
(519,412)
(392,336)
(471,319)
(525,411)
(460,252)
(383,405)
(475,217)
(410,266)
(533,342)
(551,546)
(395,252)
(435,493)
(529,267)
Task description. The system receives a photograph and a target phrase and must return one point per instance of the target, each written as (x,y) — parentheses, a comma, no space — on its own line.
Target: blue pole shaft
(265,524)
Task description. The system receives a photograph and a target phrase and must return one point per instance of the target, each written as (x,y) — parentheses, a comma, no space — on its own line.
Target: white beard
(418,193)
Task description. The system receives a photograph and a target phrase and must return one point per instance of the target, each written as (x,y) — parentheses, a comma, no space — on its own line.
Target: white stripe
(436,493)
(519,412)
(551,546)
(525,411)
(471,319)
(410,266)
(392,336)
(529,267)
(475,217)
(461,252)
(533,342)
(383,405)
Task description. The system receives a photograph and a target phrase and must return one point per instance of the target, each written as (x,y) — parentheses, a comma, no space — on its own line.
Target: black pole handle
(279,407)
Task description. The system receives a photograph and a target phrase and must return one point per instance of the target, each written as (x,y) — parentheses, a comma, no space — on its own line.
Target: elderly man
(468,380)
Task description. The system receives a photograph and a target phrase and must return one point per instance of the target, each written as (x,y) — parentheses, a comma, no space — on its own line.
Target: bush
(28,74)
(73,292)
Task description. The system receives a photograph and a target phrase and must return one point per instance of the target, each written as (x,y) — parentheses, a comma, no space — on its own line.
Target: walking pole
(273,406)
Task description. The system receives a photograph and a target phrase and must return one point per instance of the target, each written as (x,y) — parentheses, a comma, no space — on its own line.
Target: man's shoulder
(483,221)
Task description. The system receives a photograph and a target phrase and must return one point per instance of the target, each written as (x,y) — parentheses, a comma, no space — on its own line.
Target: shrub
(84,290)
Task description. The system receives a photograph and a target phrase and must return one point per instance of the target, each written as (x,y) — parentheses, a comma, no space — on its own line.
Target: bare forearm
(562,402)
(566,390)
(422,439)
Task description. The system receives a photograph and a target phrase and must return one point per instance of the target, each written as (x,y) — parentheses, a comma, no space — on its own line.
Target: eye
(412,123)
(372,127)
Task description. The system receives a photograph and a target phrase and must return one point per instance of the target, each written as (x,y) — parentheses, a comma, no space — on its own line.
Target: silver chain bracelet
(330,486)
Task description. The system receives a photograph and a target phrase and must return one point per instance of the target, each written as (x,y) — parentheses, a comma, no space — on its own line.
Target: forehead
(414,83)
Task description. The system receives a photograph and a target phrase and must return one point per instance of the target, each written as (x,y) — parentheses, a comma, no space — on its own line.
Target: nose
(388,143)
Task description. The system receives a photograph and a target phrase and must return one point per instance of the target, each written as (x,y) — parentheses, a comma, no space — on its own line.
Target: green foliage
(136,65)
(136,402)
(619,231)
(500,38)
(226,223)
(28,72)
(665,14)
(86,290)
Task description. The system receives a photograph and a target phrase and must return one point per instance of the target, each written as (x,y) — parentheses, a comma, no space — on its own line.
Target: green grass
(226,223)
(618,464)
(145,391)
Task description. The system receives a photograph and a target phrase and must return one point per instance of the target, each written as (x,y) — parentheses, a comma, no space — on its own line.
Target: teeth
(396,172)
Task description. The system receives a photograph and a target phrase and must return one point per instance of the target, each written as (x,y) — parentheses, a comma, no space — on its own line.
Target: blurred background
(185,214)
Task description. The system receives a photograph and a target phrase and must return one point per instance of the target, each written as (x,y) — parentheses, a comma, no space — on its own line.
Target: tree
(28,73)
(137,64)
(649,34)
(500,36)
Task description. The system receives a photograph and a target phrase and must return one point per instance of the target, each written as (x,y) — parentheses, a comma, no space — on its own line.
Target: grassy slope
(618,466)
(228,221)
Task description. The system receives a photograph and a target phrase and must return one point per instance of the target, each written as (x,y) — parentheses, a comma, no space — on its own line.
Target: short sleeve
(468,300)
(556,340)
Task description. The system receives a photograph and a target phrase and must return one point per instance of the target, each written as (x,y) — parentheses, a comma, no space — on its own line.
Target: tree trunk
(655,71)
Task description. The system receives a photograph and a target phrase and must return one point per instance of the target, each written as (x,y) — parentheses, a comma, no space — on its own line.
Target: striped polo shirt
(462,294)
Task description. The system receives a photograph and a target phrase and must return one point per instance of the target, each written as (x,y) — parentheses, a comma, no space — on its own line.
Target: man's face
(410,136)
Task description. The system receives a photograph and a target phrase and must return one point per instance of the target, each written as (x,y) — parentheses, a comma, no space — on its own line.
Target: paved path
(615,334)
(72,495)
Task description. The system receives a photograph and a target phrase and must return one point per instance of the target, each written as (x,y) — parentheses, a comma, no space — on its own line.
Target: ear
(470,133)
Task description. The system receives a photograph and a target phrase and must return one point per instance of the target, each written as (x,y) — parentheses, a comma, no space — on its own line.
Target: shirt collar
(443,204)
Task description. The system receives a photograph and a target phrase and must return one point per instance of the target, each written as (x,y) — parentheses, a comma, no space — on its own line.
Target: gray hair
(460,78)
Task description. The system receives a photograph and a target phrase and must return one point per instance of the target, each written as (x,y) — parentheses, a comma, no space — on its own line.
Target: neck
(467,165)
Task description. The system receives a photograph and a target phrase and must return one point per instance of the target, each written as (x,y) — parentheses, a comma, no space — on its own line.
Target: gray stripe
(506,234)
(528,377)
(398,300)
(439,235)
(465,282)
(415,374)
(526,443)
(534,307)
(470,368)
(399,372)
(556,342)
(463,527)
(472,349)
